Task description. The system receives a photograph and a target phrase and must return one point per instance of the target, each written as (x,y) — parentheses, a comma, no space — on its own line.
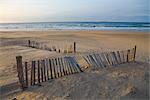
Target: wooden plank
(38,72)
(64,67)
(122,56)
(115,58)
(112,58)
(94,60)
(50,67)
(86,60)
(54,70)
(97,59)
(103,59)
(107,58)
(100,60)
(20,71)
(125,55)
(31,74)
(42,71)
(76,64)
(47,68)
(67,65)
(91,61)
(32,71)
(118,57)
(26,73)
(87,57)
(60,67)
(72,65)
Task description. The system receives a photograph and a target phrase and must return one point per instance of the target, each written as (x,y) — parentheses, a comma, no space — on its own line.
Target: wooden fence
(38,45)
(35,72)
(107,59)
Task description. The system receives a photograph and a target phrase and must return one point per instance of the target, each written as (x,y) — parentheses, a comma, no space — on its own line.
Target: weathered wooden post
(134,53)
(20,71)
(128,52)
(59,50)
(29,43)
(74,49)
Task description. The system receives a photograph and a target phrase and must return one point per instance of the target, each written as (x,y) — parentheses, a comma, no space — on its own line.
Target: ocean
(127,26)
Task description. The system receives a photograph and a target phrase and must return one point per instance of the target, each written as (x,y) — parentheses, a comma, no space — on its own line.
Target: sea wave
(134,26)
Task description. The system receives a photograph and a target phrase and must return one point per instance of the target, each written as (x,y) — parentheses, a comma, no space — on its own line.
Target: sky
(74,10)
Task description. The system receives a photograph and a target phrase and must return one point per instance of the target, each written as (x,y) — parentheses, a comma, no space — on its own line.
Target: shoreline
(76,30)
(118,30)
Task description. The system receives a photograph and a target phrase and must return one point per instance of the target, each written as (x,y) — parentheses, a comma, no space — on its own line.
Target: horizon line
(74,22)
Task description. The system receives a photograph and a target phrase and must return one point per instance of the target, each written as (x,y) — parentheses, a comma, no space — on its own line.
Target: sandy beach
(87,41)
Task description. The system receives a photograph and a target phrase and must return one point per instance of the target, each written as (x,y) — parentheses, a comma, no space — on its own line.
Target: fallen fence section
(35,72)
(107,59)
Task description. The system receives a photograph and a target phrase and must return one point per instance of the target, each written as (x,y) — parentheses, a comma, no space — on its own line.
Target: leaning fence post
(134,53)
(74,49)
(128,52)
(20,71)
